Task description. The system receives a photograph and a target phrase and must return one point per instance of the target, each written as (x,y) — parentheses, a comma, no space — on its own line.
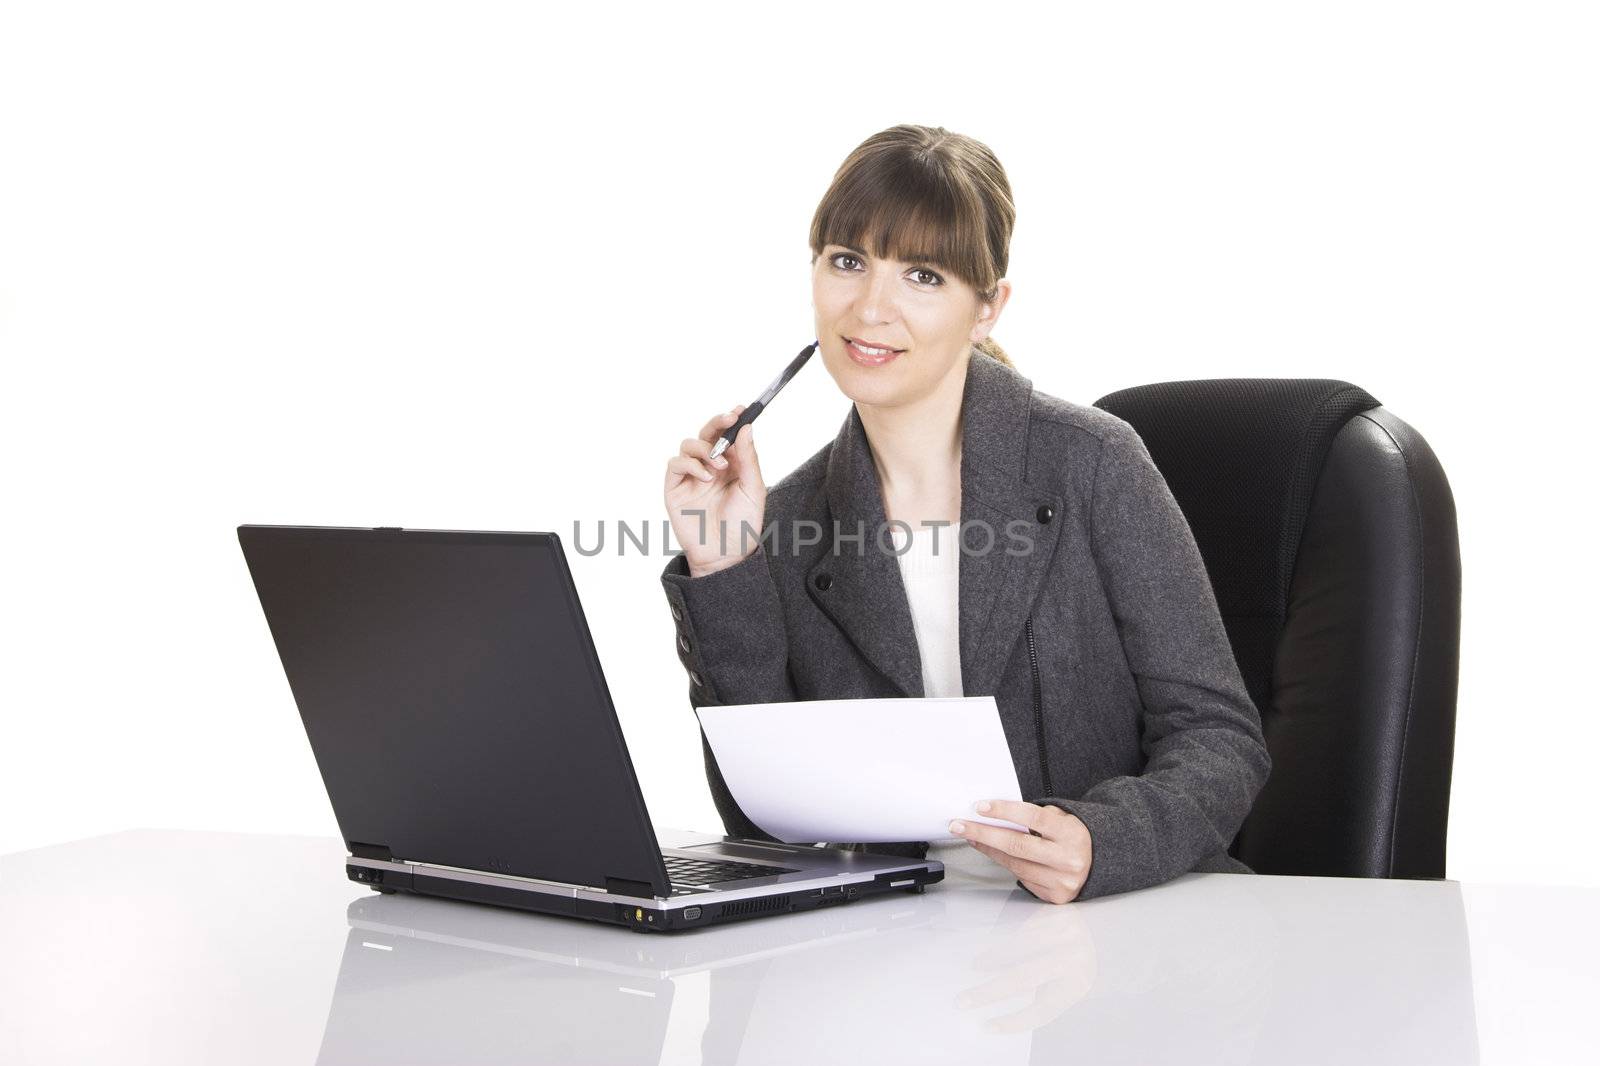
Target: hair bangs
(894,208)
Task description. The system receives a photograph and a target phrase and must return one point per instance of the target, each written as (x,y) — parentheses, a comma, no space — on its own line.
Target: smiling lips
(869,354)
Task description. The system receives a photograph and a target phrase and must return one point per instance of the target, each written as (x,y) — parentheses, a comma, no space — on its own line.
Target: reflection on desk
(1209,968)
(199,947)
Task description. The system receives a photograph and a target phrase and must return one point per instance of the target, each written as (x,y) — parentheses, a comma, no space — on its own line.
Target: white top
(931,569)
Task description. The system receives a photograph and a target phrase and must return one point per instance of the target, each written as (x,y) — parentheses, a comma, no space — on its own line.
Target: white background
(483,266)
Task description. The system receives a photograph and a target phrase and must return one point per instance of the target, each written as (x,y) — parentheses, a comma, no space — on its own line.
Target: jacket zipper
(1038,710)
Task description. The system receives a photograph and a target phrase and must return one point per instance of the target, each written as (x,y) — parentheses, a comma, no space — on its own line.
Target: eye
(936,279)
(836,256)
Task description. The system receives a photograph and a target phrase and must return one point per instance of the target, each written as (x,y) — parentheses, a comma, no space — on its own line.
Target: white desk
(179,947)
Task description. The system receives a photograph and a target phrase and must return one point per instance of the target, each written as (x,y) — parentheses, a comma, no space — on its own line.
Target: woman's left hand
(1052,860)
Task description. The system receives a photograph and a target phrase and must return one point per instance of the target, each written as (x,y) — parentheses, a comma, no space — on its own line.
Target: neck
(916,446)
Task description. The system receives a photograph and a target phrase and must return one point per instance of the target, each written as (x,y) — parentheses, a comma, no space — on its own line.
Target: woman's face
(928,319)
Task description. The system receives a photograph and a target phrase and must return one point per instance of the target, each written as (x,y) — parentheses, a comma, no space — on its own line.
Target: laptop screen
(453,699)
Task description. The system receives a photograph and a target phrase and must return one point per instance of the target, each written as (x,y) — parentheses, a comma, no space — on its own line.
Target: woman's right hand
(707,496)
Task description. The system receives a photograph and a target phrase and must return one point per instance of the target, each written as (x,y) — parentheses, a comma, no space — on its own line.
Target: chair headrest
(1242,456)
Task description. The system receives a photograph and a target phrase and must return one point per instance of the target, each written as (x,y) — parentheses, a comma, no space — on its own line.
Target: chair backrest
(1329,533)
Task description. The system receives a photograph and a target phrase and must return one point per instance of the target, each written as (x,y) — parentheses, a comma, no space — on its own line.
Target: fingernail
(957,827)
(982,806)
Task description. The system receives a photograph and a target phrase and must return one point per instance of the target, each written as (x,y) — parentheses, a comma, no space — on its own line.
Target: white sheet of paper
(862,771)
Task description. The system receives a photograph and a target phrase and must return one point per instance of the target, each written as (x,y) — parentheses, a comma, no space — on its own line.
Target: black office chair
(1329,532)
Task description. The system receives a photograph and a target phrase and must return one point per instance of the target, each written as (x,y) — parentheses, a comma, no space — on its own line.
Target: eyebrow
(920,257)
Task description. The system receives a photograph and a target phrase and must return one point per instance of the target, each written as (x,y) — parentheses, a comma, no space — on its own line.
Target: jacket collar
(865,594)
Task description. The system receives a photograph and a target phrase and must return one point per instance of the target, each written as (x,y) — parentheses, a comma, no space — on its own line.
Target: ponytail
(988,347)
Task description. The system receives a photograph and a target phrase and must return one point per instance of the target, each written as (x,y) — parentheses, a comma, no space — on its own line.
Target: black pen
(749,414)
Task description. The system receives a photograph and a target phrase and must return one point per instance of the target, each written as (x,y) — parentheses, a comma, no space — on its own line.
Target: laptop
(459,716)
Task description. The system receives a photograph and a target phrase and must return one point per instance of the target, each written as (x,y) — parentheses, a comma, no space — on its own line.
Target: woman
(1075,594)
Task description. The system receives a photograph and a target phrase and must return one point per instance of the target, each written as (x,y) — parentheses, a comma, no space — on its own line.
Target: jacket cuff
(1121,860)
(730,634)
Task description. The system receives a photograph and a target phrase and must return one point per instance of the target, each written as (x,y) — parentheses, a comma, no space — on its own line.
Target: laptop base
(637,913)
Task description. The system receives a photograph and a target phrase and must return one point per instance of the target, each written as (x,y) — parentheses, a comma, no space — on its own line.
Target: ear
(989,310)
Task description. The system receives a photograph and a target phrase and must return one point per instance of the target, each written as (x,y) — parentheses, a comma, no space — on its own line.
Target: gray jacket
(1089,618)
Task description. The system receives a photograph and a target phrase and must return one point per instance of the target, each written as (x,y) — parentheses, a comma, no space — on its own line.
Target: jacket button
(677,614)
(1045,513)
(683,642)
(694,677)
(823,582)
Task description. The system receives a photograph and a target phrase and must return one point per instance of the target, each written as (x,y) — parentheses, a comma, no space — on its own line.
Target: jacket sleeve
(732,641)
(1205,758)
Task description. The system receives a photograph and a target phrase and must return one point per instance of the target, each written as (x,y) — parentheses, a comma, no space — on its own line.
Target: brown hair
(922,193)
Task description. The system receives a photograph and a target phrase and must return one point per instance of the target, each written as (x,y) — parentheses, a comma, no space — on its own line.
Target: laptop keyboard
(683,871)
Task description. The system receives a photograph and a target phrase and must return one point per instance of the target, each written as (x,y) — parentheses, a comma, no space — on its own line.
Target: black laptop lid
(454,701)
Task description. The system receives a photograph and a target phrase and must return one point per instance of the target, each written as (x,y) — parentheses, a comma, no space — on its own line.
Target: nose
(876,302)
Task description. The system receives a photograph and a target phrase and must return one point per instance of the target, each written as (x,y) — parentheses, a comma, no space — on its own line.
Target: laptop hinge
(621,886)
(369,851)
